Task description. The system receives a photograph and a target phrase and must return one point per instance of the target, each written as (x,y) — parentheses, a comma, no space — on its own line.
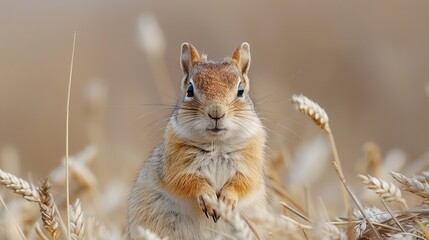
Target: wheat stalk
(320,117)
(67,135)
(295,211)
(20,186)
(47,210)
(77,227)
(387,191)
(413,185)
(423,228)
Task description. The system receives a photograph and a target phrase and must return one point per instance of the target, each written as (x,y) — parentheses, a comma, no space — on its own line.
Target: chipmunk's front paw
(204,201)
(229,198)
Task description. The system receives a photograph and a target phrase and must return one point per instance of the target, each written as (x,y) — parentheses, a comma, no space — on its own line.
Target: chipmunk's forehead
(209,76)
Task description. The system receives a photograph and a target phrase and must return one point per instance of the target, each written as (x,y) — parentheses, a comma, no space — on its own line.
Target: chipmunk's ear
(188,57)
(241,56)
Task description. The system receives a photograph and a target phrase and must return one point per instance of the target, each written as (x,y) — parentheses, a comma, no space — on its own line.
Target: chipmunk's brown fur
(213,148)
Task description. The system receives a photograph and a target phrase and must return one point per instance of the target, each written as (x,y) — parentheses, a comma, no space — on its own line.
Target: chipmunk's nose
(216,112)
(216,117)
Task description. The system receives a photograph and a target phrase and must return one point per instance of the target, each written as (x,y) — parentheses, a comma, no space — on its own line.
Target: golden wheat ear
(413,185)
(386,190)
(311,109)
(20,186)
(77,226)
(47,209)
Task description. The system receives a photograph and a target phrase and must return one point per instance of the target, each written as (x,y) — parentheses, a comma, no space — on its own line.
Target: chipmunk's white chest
(217,166)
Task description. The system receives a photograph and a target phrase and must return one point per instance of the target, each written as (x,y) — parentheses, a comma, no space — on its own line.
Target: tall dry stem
(67,135)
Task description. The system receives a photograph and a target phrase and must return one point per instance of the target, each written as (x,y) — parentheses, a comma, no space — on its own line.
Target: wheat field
(358,170)
(395,221)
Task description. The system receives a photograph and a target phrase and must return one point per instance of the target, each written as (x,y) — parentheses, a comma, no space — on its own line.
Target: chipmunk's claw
(203,207)
(206,208)
(215,216)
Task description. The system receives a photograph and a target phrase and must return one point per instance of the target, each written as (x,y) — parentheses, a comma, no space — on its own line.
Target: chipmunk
(213,148)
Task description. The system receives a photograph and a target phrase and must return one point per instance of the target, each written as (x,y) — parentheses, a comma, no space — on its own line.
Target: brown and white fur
(213,147)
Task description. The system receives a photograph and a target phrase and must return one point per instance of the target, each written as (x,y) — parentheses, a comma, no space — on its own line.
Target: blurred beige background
(365,62)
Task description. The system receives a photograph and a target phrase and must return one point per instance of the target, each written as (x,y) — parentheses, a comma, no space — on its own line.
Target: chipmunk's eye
(190,91)
(240,91)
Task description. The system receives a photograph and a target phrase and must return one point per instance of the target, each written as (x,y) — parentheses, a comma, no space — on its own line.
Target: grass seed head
(387,191)
(20,186)
(47,209)
(311,109)
(77,227)
(413,185)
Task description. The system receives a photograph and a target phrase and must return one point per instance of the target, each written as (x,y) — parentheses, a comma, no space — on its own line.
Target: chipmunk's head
(215,104)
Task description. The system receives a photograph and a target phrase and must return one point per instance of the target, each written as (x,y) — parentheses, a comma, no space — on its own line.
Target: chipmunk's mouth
(216,129)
